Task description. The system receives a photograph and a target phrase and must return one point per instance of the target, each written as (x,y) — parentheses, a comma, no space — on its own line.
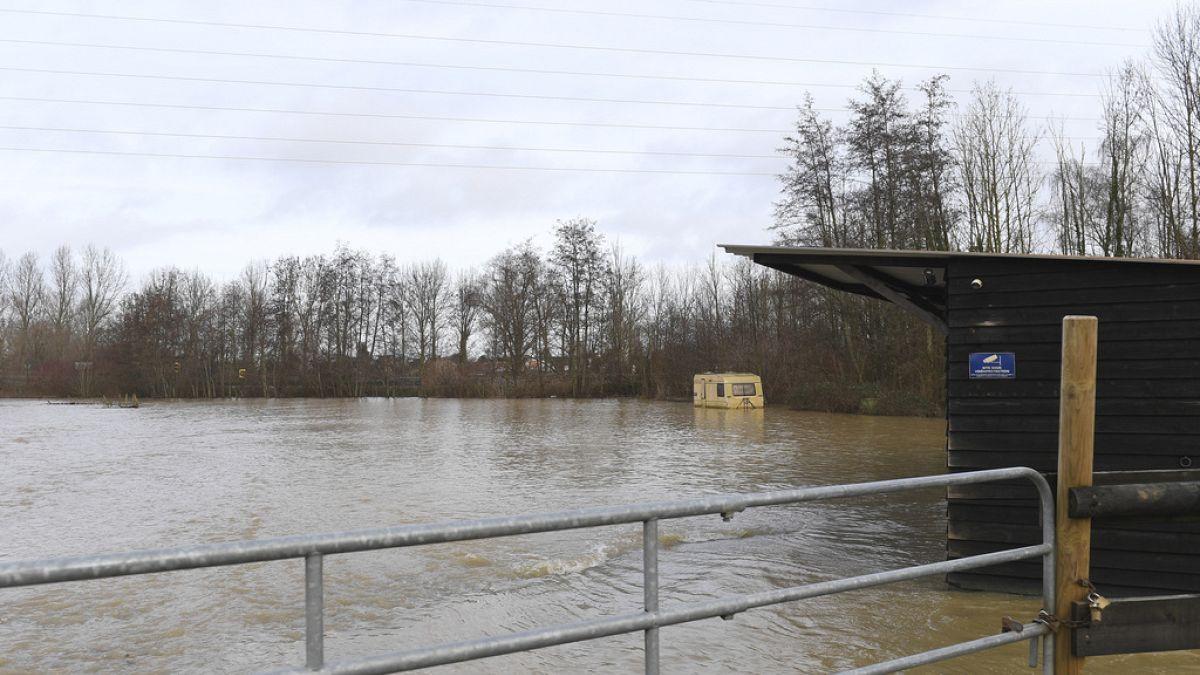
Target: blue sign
(993,366)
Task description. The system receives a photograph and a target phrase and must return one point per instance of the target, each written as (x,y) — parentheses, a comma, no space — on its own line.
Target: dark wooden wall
(1148,408)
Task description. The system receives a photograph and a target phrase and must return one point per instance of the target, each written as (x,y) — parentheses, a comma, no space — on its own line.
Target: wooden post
(1076,435)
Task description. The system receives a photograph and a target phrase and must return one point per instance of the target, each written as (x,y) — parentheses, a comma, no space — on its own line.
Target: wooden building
(1002,316)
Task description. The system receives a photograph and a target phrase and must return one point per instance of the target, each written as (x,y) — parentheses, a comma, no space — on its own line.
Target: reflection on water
(83,479)
(748,425)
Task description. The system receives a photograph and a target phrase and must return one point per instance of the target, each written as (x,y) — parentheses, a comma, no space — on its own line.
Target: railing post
(650,588)
(314,612)
(1076,437)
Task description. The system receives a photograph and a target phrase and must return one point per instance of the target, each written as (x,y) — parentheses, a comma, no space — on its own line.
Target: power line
(436,118)
(813,84)
(504,43)
(908,15)
(770,24)
(220,53)
(439,165)
(443,118)
(640,76)
(437,92)
(400,90)
(385,115)
(453,146)
(670,17)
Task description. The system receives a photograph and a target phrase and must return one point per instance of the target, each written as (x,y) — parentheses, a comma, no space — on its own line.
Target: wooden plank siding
(1147,408)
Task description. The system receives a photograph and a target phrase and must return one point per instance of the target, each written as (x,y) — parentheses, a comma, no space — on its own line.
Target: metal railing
(313,548)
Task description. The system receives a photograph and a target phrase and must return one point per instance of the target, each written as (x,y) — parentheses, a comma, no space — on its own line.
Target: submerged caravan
(727,390)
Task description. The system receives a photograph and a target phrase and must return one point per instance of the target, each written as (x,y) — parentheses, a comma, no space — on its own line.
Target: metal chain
(1055,623)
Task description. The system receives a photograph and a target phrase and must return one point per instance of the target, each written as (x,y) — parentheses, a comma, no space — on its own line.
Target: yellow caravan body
(727,390)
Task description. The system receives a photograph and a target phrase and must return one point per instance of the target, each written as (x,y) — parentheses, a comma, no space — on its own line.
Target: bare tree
(883,180)
(102,277)
(464,314)
(5,277)
(63,297)
(998,172)
(931,165)
(1125,148)
(1096,204)
(255,333)
(399,314)
(811,210)
(1165,196)
(877,138)
(577,259)
(623,285)
(713,304)
(429,287)
(27,296)
(198,362)
(1075,186)
(1177,55)
(390,325)
(512,281)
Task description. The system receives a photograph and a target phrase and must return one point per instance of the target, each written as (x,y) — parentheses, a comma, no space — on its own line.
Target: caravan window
(720,390)
(746,389)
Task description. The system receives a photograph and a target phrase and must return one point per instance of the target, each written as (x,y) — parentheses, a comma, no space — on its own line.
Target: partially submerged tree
(102,278)
(429,289)
(577,259)
(508,302)
(27,296)
(464,311)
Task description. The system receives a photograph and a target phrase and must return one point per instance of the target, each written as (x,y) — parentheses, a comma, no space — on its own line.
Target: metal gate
(313,548)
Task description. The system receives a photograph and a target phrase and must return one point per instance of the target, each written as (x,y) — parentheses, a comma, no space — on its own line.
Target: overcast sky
(217,214)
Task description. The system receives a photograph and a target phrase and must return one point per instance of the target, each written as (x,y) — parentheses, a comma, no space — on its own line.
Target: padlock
(1096,605)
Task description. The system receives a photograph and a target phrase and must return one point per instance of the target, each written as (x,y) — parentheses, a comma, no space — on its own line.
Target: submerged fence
(313,548)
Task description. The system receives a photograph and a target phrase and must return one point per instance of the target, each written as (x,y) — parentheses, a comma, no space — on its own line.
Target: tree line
(909,169)
(929,175)
(582,318)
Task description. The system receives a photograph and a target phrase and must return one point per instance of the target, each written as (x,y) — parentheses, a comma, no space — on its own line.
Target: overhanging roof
(914,280)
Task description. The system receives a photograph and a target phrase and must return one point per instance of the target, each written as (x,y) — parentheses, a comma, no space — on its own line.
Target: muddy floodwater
(86,479)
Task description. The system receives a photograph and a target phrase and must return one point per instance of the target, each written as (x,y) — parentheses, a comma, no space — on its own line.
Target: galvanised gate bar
(313,548)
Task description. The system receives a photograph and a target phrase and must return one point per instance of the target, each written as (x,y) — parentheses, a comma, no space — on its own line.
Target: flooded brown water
(86,479)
